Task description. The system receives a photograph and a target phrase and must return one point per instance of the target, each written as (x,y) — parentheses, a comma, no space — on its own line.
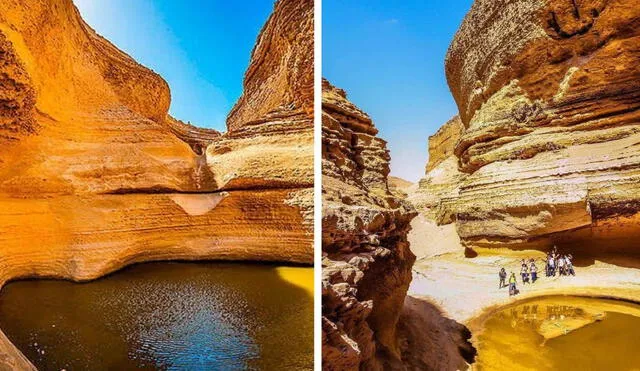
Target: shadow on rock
(431,341)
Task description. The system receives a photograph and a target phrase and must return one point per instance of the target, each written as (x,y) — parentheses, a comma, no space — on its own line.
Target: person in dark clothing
(503,277)
(551,264)
(524,272)
(534,271)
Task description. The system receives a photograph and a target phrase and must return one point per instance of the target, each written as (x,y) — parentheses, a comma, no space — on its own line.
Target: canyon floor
(466,288)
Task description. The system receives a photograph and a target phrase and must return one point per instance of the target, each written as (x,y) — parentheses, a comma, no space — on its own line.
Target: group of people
(559,263)
(528,267)
(555,262)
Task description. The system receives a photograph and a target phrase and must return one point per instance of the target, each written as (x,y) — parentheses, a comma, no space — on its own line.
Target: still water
(173,316)
(561,333)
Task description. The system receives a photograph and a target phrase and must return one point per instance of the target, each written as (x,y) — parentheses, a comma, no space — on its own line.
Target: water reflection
(164,316)
(554,333)
(531,315)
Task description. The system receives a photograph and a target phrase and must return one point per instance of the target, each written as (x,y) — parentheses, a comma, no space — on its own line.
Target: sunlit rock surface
(279,81)
(443,179)
(548,97)
(399,187)
(95,175)
(368,322)
(366,257)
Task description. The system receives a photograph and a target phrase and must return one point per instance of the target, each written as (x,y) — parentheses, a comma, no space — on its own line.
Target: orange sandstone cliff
(549,101)
(279,80)
(95,175)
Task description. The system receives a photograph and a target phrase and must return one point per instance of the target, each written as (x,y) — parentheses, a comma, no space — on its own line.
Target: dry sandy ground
(463,288)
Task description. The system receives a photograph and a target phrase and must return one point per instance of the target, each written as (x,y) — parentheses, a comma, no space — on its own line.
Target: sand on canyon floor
(465,288)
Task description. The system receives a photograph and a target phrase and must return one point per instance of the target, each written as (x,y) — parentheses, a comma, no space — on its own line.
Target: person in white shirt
(569,265)
(551,266)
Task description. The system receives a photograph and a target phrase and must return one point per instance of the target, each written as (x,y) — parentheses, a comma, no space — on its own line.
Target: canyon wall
(279,80)
(443,179)
(549,98)
(442,144)
(95,175)
(366,264)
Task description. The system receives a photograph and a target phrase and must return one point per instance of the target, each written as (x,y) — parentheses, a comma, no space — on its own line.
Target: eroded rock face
(399,187)
(443,179)
(94,174)
(443,143)
(548,95)
(366,257)
(279,81)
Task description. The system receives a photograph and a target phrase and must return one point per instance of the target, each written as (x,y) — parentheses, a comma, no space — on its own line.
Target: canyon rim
(96,175)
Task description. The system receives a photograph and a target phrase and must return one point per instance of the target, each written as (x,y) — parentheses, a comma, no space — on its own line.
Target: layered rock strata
(279,81)
(95,175)
(442,144)
(366,257)
(399,187)
(443,179)
(547,92)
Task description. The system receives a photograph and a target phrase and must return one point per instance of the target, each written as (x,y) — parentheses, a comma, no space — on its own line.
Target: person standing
(503,277)
(561,266)
(524,272)
(534,271)
(569,265)
(512,284)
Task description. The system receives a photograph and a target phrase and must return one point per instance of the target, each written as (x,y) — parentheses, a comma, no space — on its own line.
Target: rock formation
(368,322)
(279,81)
(443,179)
(443,143)
(366,258)
(548,96)
(398,186)
(95,175)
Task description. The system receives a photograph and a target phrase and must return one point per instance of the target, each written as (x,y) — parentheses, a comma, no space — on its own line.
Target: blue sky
(201,48)
(389,57)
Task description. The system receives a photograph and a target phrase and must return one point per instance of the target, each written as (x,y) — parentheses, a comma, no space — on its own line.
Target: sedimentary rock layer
(85,125)
(443,143)
(95,175)
(443,179)
(548,95)
(85,237)
(366,257)
(398,186)
(279,80)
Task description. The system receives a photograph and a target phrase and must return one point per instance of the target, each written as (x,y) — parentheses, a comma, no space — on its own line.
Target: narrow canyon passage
(542,150)
(166,316)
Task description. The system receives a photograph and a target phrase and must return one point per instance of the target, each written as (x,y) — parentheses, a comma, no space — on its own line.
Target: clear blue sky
(389,57)
(201,48)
